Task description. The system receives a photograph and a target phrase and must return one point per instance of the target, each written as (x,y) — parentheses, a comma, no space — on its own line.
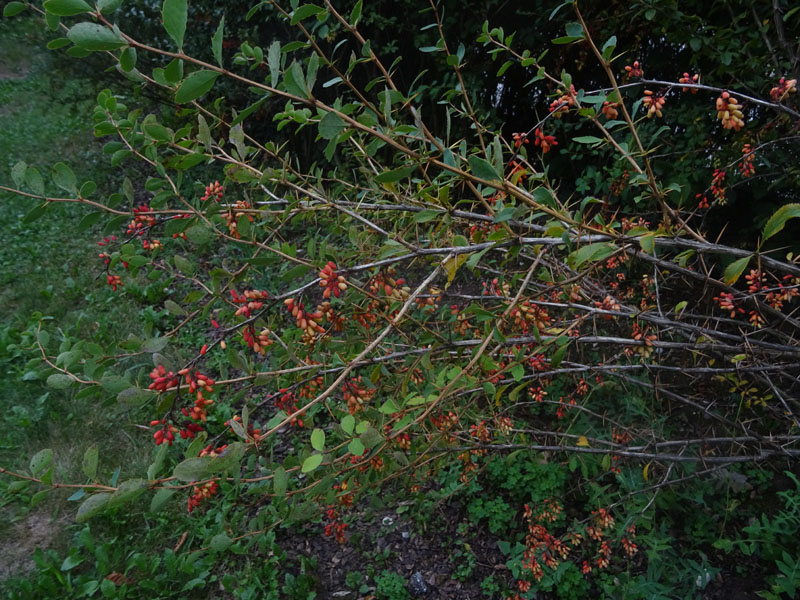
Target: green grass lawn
(49,275)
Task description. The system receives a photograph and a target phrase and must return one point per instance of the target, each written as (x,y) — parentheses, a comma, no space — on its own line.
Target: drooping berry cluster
(333,283)
(783,88)
(694,79)
(653,102)
(729,111)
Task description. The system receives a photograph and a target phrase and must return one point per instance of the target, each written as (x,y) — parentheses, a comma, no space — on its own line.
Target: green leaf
(173,14)
(483,169)
(90,459)
(94,37)
(127,491)
(355,14)
(311,463)
(348,423)
(295,81)
(72,561)
(734,270)
(192,469)
(295,272)
(41,461)
(427,215)
(64,178)
(318,439)
(587,139)
(590,253)
(280,480)
(220,542)
(34,181)
(648,242)
(305,11)
(58,43)
(558,356)
(60,381)
(93,505)
(174,308)
(66,8)
(778,220)
(356,447)
(18,173)
(229,459)
(216,41)
(156,131)
(38,497)
(108,6)
(12,9)
(200,235)
(184,265)
(330,126)
(114,383)
(135,396)
(160,499)
(156,344)
(195,85)
(388,407)
(161,453)
(452,265)
(395,174)
(274,62)
(173,72)
(609,47)
(567,39)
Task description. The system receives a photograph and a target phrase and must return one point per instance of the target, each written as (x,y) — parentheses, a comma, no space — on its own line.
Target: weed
(391,586)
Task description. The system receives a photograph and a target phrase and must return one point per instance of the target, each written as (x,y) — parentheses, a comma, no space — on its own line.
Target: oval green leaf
(778,220)
(93,505)
(734,270)
(318,439)
(41,461)
(90,459)
(173,14)
(195,85)
(67,8)
(192,469)
(311,463)
(60,381)
(94,37)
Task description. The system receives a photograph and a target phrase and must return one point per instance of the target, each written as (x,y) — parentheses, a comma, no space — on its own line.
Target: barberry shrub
(409,292)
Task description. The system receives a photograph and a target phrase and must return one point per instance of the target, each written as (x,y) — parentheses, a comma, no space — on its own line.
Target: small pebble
(417,584)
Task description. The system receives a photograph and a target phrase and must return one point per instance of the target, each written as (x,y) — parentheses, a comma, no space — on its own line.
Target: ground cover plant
(484,308)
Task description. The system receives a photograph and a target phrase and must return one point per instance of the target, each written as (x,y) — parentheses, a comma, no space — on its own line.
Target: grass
(49,275)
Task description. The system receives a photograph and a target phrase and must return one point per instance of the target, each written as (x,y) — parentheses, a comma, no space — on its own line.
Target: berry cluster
(356,395)
(729,111)
(746,166)
(545,142)
(308,322)
(562,104)
(609,110)
(251,301)
(695,79)
(202,492)
(653,102)
(213,192)
(783,89)
(163,380)
(285,400)
(333,283)
(634,70)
